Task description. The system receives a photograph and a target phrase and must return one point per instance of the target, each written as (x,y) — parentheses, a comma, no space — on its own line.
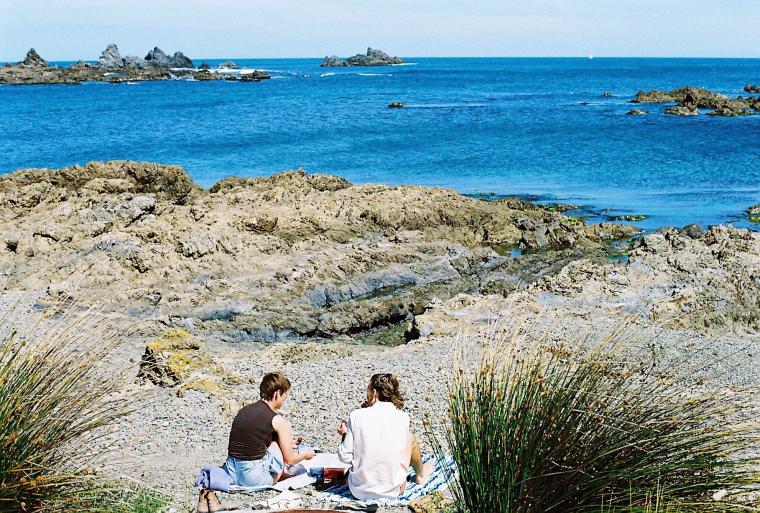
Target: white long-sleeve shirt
(375,446)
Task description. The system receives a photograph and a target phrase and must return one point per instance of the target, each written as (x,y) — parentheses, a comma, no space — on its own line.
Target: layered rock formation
(684,279)
(33,60)
(371,58)
(689,100)
(289,256)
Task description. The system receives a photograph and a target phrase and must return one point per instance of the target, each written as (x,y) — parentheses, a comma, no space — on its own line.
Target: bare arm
(346,448)
(285,440)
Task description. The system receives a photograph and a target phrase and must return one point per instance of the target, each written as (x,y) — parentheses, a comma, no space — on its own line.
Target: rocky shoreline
(291,256)
(318,277)
(113,68)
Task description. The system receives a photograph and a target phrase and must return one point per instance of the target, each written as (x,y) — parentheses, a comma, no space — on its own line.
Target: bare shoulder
(279,423)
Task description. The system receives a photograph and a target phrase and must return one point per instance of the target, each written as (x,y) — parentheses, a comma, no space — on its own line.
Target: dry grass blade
(536,426)
(56,391)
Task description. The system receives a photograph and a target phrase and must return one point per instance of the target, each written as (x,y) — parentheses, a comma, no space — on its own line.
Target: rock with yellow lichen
(204,386)
(172,358)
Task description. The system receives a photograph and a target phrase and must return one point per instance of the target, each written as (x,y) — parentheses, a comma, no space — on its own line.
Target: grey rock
(228,65)
(178,60)
(33,60)
(682,110)
(373,57)
(693,231)
(111,57)
(397,105)
(637,112)
(205,66)
(157,58)
(333,61)
(752,88)
(133,61)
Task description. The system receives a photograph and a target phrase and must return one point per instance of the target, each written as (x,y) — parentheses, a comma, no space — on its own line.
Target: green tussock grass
(56,395)
(537,427)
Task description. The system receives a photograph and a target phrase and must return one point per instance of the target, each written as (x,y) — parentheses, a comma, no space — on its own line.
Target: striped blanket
(443,472)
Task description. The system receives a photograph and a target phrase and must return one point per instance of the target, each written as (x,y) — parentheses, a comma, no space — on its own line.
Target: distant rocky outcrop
(111,57)
(159,59)
(690,99)
(112,67)
(371,58)
(228,65)
(637,112)
(752,88)
(33,60)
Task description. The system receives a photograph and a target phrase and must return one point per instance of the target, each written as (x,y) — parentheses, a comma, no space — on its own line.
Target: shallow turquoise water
(502,126)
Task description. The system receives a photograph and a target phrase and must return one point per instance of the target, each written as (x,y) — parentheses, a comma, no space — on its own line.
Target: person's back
(378,444)
(380,459)
(252,432)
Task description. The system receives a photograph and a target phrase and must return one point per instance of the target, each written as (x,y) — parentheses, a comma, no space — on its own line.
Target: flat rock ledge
(293,256)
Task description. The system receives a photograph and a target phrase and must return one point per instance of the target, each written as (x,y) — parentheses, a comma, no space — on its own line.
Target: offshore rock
(133,61)
(111,57)
(228,65)
(111,67)
(159,59)
(179,60)
(653,96)
(33,60)
(637,112)
(204,67)
(333,61)
(751,88)
(371,58)
(682,110)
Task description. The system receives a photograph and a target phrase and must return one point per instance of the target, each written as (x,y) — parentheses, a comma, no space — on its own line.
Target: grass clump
(56,393)
(559,429)
(120,498)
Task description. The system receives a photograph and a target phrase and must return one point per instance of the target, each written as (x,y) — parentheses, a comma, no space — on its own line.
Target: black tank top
(251,432)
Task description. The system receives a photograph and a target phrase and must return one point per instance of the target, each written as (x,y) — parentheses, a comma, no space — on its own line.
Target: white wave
(372,74)
(405,64)
(327,74)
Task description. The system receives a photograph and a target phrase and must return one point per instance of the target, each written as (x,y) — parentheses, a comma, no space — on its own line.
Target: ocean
(483,126)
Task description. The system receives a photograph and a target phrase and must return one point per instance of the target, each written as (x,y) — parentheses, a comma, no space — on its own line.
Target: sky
(74,29)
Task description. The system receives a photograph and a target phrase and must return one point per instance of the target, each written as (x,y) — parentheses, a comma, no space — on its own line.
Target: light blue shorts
(255,472)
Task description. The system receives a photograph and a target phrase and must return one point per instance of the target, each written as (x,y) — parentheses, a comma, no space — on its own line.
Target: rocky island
(689,100)
(112,67)
(371,58)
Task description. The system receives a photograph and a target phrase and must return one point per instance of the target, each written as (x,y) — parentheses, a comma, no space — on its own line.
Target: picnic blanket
(443,472)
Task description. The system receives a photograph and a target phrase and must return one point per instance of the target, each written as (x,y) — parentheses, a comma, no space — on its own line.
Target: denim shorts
(255,472)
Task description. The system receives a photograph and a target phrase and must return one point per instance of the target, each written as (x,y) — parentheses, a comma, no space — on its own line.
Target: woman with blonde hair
(378,444)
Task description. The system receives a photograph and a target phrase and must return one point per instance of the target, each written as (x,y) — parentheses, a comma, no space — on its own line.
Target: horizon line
(584,57)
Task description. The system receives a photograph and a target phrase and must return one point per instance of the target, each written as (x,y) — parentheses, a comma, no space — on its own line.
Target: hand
(309,455)
(343,429)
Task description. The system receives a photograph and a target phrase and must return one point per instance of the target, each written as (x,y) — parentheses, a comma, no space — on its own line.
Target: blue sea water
(502,126)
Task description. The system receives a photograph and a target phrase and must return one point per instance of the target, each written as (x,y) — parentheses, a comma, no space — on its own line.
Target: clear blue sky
(72,29)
